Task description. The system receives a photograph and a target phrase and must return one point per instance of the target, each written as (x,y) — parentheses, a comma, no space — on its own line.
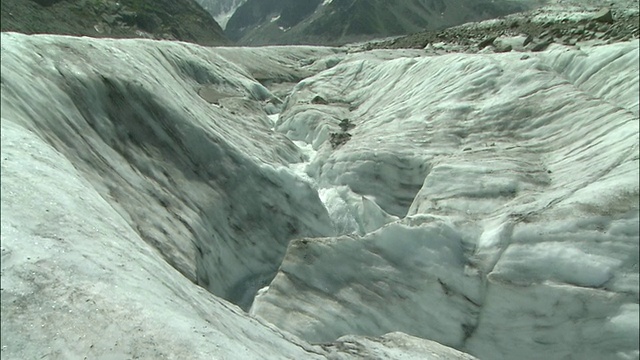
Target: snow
(221,10)
(484,204)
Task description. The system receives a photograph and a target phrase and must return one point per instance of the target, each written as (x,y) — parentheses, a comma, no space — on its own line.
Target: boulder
(604,16)
(503,48)
(319,100)
(540,46)
(486,42)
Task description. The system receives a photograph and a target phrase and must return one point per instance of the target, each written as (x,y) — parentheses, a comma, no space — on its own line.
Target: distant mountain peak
(334,22)
(221,10)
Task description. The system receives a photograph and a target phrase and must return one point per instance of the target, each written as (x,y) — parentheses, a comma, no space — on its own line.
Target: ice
(152,192)
(528,168)
(159,155)
(352,213)
(77,280)
(392,346)
(403,272)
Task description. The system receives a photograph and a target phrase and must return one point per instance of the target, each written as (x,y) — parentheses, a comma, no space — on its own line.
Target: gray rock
(319,100)
(503,48)
(338,139)
(541,46)
(46,2)
(127,17)
(346,125)
(486,42)
(148,21)
(109,19)
(577,31)
(604,16)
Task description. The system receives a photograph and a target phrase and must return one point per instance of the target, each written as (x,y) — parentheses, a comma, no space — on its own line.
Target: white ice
(518,184)
(483,203)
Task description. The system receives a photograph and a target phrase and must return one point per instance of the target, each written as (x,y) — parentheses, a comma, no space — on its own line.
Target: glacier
(166,200)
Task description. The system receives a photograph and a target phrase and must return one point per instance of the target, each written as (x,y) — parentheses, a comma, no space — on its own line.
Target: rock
(504,48)
(99,28)
(46,2)
(148,21)
(577,31)
(338,139)
(604,16)
(346,125)
(113,7)
(486,42)
(128,17)
(109,19)
(540,46)
(319,100)
(528,40)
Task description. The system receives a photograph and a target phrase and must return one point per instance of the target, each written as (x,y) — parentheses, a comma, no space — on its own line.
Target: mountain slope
(221,10)
(181,20)
(340,21)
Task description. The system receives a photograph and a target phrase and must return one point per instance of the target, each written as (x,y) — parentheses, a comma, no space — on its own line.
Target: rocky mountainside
(532,31)
(221,10)
(340,21)
(182,20)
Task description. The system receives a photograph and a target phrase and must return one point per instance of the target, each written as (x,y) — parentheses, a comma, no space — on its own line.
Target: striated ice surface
(519,182)
(483,206)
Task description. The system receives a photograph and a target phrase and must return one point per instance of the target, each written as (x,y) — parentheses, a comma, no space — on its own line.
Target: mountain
(182,20)
(162,199)
(221,10)
(259,22)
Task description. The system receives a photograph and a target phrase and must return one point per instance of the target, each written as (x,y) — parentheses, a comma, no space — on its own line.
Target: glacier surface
(516,179)
(482,204)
